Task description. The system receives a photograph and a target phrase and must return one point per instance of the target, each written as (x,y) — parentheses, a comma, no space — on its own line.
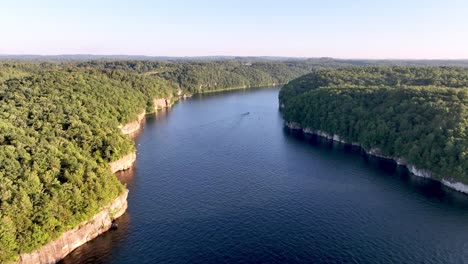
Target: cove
(211,185)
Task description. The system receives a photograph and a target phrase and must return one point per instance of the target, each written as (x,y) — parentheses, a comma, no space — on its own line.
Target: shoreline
(124,163)
(239,88)
(457,186)
(57,249)
(134,126)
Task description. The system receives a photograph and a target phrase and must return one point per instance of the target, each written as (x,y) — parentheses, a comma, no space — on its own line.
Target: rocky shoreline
(134,126)
(124,163)
(59,248)
(458,186)
(127,161)
(56,250)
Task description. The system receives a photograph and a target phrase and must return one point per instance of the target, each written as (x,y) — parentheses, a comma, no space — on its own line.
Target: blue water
(212,185)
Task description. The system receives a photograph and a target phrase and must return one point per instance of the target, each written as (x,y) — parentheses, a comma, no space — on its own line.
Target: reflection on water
(388,169)
(127,176)
(97,250)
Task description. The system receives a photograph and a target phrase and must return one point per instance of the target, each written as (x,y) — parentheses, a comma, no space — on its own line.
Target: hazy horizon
(225,56)
(363,29)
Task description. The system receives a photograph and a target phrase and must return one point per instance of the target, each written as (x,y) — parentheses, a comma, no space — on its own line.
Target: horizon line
(226,56)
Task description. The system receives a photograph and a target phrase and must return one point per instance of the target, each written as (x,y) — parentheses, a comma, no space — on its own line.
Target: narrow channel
(213,184)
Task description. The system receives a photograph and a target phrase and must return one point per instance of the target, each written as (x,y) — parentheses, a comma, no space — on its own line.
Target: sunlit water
(215,185)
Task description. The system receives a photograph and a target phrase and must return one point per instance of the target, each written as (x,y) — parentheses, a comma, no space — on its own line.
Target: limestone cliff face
(461,187)
(124,163)
(456,185)
(134,126)
(56,250)
(162,103)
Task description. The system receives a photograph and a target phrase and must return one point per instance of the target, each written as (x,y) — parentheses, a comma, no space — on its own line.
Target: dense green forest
(59,123)
(206,76)
(198,76)
(416,113)
(58,131)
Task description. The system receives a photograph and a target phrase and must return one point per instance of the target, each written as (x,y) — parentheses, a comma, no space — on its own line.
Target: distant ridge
(355,62)
(74,57)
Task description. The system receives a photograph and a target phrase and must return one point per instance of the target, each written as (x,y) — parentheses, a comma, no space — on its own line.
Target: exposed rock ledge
(162,103)
(56,250)
(124,163)
(134,126)
(461,187)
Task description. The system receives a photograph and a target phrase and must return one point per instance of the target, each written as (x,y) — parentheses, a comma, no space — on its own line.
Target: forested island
(415,115)
(61,120)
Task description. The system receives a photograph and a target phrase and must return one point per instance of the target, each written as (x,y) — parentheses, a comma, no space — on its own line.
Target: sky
(375,29)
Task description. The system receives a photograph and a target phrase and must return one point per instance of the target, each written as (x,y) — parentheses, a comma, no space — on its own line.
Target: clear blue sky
(325,28)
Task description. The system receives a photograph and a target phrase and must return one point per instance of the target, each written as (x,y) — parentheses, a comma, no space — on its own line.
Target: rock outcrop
(134,126)
(124,163)
(456,185)
(419,172)
(162,103)
(56,250)
(461,187)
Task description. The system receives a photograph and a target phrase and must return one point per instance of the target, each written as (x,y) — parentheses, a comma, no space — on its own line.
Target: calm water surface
(212,185)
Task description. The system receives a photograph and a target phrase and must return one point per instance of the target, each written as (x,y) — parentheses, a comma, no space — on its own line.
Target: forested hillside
(197,76)
(205,76)
(58,131)
(59,124)
(209,76)
(419,114)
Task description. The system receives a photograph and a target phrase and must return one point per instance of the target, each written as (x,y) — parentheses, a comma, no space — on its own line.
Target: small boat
(246,113)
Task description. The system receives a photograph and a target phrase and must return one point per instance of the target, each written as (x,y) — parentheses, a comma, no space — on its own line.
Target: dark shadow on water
(127,176)
(97,250)
(388,170)
(190,204)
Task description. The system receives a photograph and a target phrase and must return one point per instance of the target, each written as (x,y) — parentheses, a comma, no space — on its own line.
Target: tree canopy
(419,114)
(59,123)
(58,132)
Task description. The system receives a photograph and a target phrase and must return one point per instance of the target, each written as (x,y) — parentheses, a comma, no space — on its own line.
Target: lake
(213,184)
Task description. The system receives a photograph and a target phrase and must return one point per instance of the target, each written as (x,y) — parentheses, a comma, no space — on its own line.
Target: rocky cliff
(124,163)
(134,126)
(162,103)
(461,187)
(56,250)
